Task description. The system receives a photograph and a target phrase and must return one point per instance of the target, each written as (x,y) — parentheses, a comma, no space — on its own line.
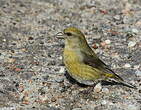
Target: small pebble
(110,103)
(103,44)
(53,99)
(95,46)
(134,30)
(103,102)
(131,44)
(98,87)
(117,17)
(138,73)
(127,19)
(107,41)
(127,65)
(105,90)
(30,38)
(59,79)
(4,40)
(136,66)
(11,60)
(62,69)
(138,23)
(60,58)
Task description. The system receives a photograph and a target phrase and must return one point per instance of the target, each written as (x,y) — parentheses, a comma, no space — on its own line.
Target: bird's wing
(94,61)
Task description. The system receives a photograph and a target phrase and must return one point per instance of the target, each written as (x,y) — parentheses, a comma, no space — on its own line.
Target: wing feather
(94,61)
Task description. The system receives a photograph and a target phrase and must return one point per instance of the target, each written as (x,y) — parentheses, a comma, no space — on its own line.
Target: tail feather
(128,85)
(119,80)
(124,83)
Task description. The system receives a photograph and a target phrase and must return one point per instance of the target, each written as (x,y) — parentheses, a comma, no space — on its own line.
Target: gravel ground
(32,75)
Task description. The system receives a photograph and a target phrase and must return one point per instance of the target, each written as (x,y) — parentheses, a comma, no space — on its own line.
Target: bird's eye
(68,34)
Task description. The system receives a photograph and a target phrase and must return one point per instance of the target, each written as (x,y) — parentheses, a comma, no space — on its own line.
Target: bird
(81,62)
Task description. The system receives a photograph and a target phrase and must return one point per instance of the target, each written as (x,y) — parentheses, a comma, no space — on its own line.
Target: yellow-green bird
(82,63)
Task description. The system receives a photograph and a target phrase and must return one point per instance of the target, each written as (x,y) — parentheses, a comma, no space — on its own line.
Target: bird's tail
(124,83)
(117,79)
(128,84)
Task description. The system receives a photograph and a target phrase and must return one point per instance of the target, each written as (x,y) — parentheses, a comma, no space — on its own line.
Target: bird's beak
(59,35)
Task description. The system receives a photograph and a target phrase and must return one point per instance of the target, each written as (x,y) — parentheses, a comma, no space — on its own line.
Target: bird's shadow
(73,81)
(103,82)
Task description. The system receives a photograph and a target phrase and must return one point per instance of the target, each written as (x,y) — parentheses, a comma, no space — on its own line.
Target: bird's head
(73,33)
(74,36)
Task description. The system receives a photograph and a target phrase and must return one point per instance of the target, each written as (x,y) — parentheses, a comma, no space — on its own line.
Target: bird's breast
(72,56)
(73,61)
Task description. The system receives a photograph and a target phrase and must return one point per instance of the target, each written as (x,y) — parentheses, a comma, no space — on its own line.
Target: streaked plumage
(81,62)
